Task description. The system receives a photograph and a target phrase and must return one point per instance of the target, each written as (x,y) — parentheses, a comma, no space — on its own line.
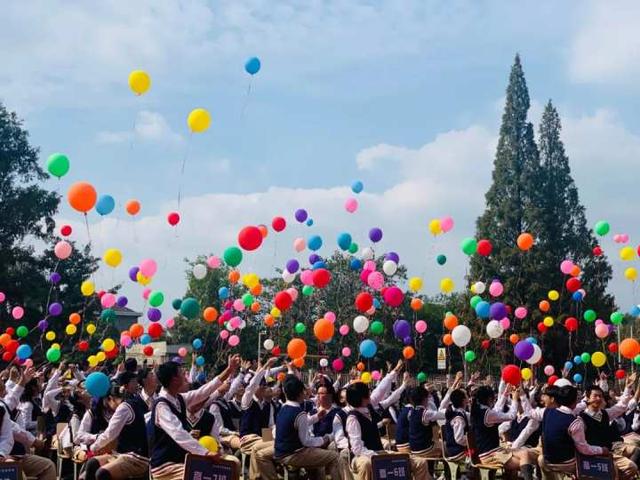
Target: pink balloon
(446,224)
(293,293)
(624,238)
(521,312)
(224,334)
(496,289)
(126,341)
(235,322)
(364,275)
(421,326)
(238,305)
(337,364)
(548,370)
(393,296)
(375,280)
(299,244)
(148,267)
(28,363)
(171,322)
(351,205)
(616,238)
(346,352)
(330,316)
(583,292)
(234,340)
(602,331)
(108,300)
(371,311)
(17,313)
(599,321)
(306,277)
(375,375)
(214,262)
(2,297)
(62,250)
(344,330)
(145,293)
(566,266)
(505,323)
(183,351)
(369,265)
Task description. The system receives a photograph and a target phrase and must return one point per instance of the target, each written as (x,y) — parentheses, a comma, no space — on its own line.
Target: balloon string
(133,132)
(86,222)
(246,99)
(184,163)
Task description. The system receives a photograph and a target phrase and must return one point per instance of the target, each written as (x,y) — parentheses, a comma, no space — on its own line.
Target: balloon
(53,355)
(105,205)
(58,165)
(548,370)
(401,329)
(314,243)
(351,205)
(365,377)
(598,359)
(446,285)
(132,207)
(511,374)
(450,322)
(323,329)
(199,271)
(375,280)
(415,284)
(602,331)
(22,331)
(571,324)
(469,246)
(301,215)
(17,313)
(573,284)
(154,331)
(139,81)
(283,301)
(494,329)
(278,224)
(602,228)
(173,218)
(441,259)
(586,357)
(469,356)
(375,234)
(421,326)
(367,253)
(250,238)
(566,266)
(252,66)
(537,355)
(82,196)
(524,350)
(616,318)
(112,257)
(498,310)
(296,348)
(62,250)
(190,308)
(521,312)
(408,352)
(148,268)
(525,241)
(589,316)
(627,253)
(97,384)
(344,241)
(360,324)
(434,227)
(496,289)
(337,364)
(364,301)
(232,256)
(344,329)
(484,248)
(389,267)
(376,327)
(631,274)
(483,309)
(368,348)
(199,120)
(416,304)
(393,296)
(629,348)
(461,335)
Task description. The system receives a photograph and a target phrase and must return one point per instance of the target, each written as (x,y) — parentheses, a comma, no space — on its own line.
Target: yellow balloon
(526,373)
(93,360)
(548,321)
(275,312)
(250,280)
(415,284)
(71,329)
(87,288)
(50,336)
(56,346)
(199,120)
(447,285)
(139,81)
(112,257)
(365,377)
(434,227)
(553,295)
(598,359)
(209,443)
(142,280)
(472,288)
(91,329)
(101,356)
(627,253)
(631,274)
(108,344)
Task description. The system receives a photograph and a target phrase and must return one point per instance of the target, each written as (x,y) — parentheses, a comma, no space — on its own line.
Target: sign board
(597,467)
(442,359)
(391,467)
(201,467)
(10,471)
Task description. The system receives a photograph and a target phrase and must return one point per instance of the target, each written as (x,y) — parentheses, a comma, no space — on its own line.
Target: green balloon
(636,359)
(376,327)
(441,259)
(156,298)
(190,308)
(107,315)
(22,331)
(469,245)
(586,357)
(232,256)
(475,300)
(589,316)
(300,327)
(602,228)
(247,299)
(353,248)
(422,377)
(53,354)
(617,318)
(307,290)
(58,165)
(469,356)
(176,303)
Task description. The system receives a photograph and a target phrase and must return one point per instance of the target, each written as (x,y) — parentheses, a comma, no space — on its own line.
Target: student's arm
(303,433)
(235,385)
(531,427)
(355,438)
(167,421)
(383,388)
(208,389)
(122,416)
(457,424)
(576,430)
(84,436)
(6,436)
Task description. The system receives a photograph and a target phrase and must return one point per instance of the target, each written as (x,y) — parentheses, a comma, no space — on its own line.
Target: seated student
(486,416)
(169,438)
(402,424)
(421,418)
(201,421)
(81,402)
(326,408)
(364,438)
(223,415)
(294,445)
(456,426)
(149,382)
(523,431)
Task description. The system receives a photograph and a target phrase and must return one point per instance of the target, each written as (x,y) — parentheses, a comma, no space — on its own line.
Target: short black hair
(552,391)
(592,388)
(356,393)
(457,397)
(293,387)
(330,390)
(166,372)
(131,365)
(125,377)
(567,395)
(484,394)
(143,373)
(417,396)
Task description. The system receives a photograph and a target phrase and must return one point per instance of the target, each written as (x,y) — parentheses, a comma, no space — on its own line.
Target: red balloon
(154,330)
(7,356)
(364,301)
(250,238)
(173,218)
(12,346)
(275,351)
(278,224)
(111,354)
(393,297)
(511,374)
(485,344)
(283,301)
(613,347)
(148,350)
(597,250)
(571,324)
(83,346)
(620,374)
(552,379)
(65,230)
(542,327)
(484,248)
(321,277)
(11,331)
(101,293)
(573,284)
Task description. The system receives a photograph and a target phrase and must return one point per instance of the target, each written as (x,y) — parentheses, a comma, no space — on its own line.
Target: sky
(404,95)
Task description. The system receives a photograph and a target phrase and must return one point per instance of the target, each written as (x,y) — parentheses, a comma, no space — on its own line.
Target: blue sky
(405,95)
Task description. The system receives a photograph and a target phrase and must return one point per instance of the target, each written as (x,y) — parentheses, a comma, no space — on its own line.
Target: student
(323,424)
(523,431)
(402,425)
(364,437)
(456,426)
(169,438)
(149,382)
(223,414)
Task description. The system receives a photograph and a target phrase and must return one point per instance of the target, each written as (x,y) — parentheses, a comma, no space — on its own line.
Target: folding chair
(61,455)
(485,470)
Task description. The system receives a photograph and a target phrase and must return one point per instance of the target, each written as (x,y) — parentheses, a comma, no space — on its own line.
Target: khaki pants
(555,471)
(315,461)
(175,471)
(39,467)
(362,468)
(626,468)
(433,452)
(122,466)
(260,457)
(232,442)
(344,463)
(632,439)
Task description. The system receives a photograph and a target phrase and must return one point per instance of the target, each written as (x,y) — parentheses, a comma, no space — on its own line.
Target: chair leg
(286,473)
(453,470)
(59,465)
(242,460)
(485,474)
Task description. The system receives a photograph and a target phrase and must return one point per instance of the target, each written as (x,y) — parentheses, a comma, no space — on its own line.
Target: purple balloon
(133,273)
(55,309)
(523,350)
(314,258)
(498,311)
(122,301)
(43,325)
(375,234)
(407,340)
(154,314)
(401,329)
(393,256)
(55,277)
(301,215)
(293,265)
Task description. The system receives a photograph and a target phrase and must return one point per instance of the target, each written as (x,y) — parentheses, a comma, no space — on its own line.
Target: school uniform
(223,414)
(421,441)
(402,429)
(455,432)
(484,426)
(524,432)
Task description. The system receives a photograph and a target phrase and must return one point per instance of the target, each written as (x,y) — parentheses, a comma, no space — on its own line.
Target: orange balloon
(544,306)
(525,241)
(234,276)
(281,376)
(450,322)
(298,362)
(447,339)
(75,318)
(408,352)
(514,338)
(256,290)
(297,348)
(82,196)
(132,207)
(5,338)
(263,230)
(323,330)
(268,321)
(575,271)
(629,348)
(210,314)
(136,330)
(360,366)
(416,304)
(255,307)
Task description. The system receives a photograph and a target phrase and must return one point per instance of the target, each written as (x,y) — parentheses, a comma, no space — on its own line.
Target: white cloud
(149,126)
(219,166)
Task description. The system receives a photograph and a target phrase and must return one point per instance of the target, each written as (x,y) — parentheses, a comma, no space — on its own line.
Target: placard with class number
(391,467)
(10,471)
(201,467)
(596,467)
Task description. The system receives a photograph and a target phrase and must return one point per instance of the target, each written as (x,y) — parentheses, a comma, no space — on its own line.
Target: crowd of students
(152,417)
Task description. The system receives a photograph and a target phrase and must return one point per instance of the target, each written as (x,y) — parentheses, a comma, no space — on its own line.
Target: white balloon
(360,324)
(367,253)
(537,355)
(389,267)
(199,271)
(242,324)
(461,335)
(324,362)
(479,288)
(288,277)
(494,329)
(562,382)
(268,344)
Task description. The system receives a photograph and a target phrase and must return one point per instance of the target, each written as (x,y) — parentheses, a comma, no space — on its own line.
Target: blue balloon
(577,359)
(568,365)
(483,309)
(357,186)
(145,339)
(252,66)
(223,293)
(577,296)
(197,343)
(318,264)
(105,204)
(24,351)
(635,311)
(344,241)
(355,264)
(314,243)
(97,384)
(199,360)
(309,222)
(376,303)
(577,378)
(532,340)
(368,348)
(201,378)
